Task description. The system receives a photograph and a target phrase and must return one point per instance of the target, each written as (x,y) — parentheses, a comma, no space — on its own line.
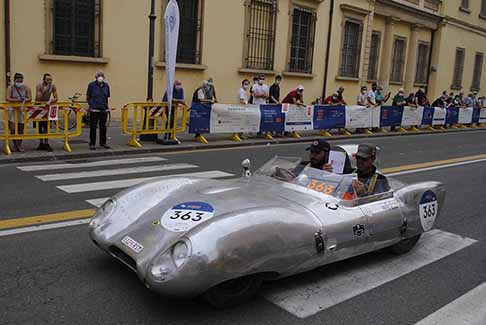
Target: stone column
(386,58)
(411,63)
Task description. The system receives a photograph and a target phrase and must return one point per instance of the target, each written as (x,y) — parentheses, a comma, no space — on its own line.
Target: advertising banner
(329,117)
(358,117)
(298,118)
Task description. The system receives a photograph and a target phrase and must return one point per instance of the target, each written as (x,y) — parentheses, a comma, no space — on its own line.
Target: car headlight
(180,253)
(167,263)
(105,211)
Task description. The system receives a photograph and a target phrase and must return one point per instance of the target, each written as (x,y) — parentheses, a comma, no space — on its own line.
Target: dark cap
(319,145)
(366,150)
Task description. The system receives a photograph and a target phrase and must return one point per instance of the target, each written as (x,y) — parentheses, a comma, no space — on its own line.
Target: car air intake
(123,257)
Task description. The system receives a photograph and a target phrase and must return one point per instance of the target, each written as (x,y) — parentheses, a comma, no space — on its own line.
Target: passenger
(369,182)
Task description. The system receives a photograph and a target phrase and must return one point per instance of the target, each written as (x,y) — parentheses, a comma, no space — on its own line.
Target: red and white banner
(53,113)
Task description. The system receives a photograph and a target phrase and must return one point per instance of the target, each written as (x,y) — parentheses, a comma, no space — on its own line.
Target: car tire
(405,245)
(233,292)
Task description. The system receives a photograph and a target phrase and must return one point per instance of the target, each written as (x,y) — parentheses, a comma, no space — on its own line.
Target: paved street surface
(58,276)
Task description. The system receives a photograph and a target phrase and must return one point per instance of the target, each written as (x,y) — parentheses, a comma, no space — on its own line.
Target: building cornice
(465,26)
(408,13)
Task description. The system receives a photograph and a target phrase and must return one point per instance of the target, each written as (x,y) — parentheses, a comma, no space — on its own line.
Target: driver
(369,181)
(318,157)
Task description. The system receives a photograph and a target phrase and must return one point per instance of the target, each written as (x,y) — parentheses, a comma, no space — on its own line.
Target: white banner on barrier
(375,116)
(298,118)
(358,117)
(465,115)
(412,115)
(235,118)
(482,115)
(440,115)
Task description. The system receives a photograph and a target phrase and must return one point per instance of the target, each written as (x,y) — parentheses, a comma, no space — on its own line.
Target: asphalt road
(59,276)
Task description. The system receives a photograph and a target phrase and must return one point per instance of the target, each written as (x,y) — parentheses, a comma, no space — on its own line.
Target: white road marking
(413,171)
(469,309)
(313,294)
(113,172)
(87,187)
(98,202)
(63,224)
(100,163)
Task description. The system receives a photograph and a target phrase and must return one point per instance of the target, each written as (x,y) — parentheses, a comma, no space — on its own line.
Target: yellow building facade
(321,44)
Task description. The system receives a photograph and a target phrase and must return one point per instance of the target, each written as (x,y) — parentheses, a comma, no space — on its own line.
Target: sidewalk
(118,143)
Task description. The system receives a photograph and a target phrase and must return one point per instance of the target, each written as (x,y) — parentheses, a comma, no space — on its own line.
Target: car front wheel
(233,292)
(405,245)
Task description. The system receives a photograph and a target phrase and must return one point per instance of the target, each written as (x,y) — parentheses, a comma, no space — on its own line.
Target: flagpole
(150,77)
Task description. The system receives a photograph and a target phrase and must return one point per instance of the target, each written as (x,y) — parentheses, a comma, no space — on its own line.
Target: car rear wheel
(405,245)
(233,292)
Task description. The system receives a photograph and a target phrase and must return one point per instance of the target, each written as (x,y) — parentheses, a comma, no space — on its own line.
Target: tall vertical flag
(172,21)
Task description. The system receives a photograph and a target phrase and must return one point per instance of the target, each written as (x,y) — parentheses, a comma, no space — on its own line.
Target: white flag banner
(172,21)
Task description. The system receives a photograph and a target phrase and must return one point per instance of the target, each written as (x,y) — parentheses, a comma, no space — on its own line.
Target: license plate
(132,244)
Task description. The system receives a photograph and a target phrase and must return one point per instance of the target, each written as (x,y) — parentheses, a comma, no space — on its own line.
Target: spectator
(482,102)
(177,93)
(422,99)
(371,96)
(468,101)
(295,96)
(275,91)
(336,98)
(459,99)
(43,93)
(399,99)
(17,93)
(381,98)
(255,81)
(242,93)
(363,97)
(260,91)
(211,91)
(411,100)
(475,100)
(450,100)
(201,94)
(97,96)
(441,101)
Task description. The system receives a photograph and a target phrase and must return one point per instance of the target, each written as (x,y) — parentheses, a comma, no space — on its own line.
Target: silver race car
(220,239)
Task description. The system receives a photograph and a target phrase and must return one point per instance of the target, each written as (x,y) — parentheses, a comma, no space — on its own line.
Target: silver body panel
(261,226)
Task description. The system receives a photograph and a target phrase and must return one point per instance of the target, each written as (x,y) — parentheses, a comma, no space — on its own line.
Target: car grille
(123,257)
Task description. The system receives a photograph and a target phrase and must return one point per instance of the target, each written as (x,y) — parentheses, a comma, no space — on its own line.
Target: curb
(196,147)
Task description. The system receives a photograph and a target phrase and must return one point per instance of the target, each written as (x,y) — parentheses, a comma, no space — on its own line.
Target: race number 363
(185,216)
(428,210)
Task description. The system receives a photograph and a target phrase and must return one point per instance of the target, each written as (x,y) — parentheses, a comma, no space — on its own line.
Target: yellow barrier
(22,121)
(145,118)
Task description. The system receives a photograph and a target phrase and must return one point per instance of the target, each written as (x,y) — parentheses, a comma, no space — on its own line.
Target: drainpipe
(432,39)
(7,41)
(329,32)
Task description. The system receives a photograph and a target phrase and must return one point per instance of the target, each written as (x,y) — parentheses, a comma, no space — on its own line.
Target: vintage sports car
(220,239)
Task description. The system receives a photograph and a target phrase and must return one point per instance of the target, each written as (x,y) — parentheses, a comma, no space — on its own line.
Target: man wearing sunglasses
(318,157)
(369,182)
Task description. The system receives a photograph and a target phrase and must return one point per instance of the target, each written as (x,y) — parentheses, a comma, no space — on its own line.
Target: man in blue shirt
(97,96)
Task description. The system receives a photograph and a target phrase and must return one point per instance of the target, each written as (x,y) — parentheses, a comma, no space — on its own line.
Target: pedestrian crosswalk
(113,174)
(96,181)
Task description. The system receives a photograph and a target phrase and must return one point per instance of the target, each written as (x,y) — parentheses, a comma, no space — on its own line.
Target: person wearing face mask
(211,90)
(46,91)
(295,97)
(399,99)
(17,93)
(260,91)
(362,99)
(97,96)
(275,91)
(242,93)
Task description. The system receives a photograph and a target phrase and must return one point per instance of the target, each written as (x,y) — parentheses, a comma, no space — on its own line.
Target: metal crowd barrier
(153,118)
(22,121)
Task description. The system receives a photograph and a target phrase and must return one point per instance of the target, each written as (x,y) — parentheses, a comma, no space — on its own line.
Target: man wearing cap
(369,182)
(295,97)
(318,157)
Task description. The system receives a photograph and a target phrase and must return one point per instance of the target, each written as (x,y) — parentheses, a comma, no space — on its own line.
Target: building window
(76,27)
(478,68)
(260,35)
(398,61)
(422,63)
(351,50)
(458,68)
(483,8)
(302,43)
(465,4)
(189,46)
(374,56)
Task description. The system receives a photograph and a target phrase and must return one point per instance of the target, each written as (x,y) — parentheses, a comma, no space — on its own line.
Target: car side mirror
(246,167)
